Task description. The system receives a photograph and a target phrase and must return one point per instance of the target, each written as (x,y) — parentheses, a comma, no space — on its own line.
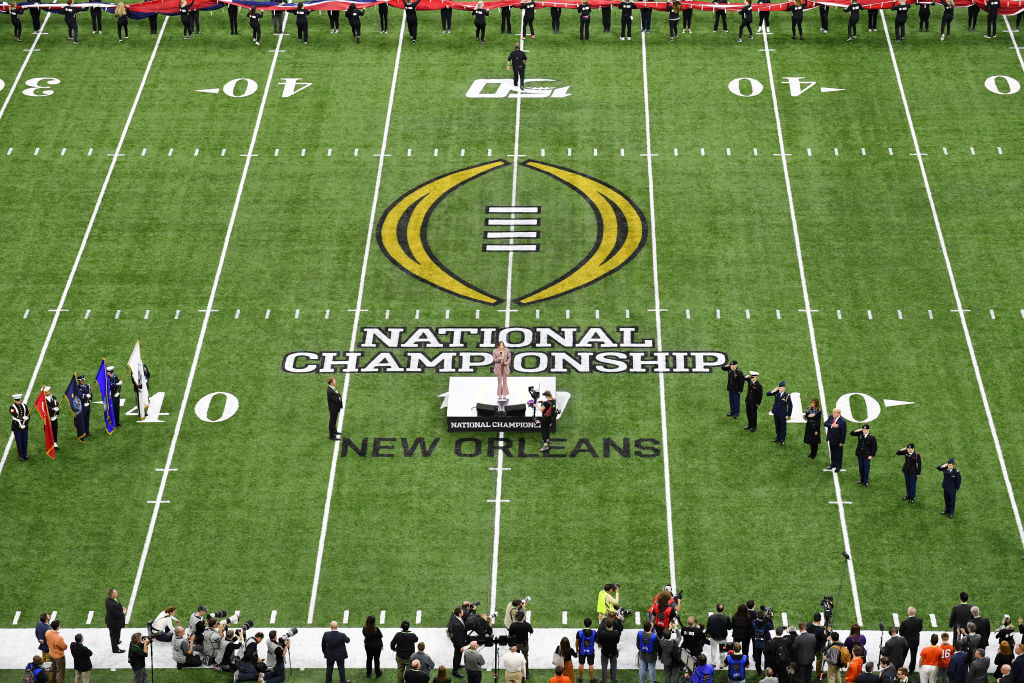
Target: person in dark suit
(804,648)
(334,408)
(457,634)
(335,652)
(782,408)
(910,628)
(867,674)
(755,392)
(114,620)
(950,485)
(982,626)
(960,614)
(835,435)
(896,647)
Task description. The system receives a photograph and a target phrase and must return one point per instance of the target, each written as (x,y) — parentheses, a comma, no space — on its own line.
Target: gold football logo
(621,232)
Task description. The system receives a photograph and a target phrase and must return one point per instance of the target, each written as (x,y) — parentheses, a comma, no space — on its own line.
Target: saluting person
(948,12)
(853,9)
(755,392)
(867,446)
(627,7)
(480,24)
(19,425)
(797,16)
(528,14)
(950,485)
(835,435)
(583,9)
(411,20)
(302,22)
(53,408)
(254,24)
(334,406)
(746,19)
(902,9)
(734,384)
(352,14)
(517,63)
(783,406)
(911,471)
(992,6)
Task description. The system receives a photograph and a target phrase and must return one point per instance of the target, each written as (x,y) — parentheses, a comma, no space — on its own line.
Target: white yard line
(85,237)
(355,323)
(1013,39)
(13,85)
(956,291)
(657,322)
(810,320)
(159,499)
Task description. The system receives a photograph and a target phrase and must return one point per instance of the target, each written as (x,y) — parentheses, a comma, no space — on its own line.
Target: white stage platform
(473,405)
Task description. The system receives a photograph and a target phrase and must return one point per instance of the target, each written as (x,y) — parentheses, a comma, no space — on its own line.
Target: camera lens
(220,614)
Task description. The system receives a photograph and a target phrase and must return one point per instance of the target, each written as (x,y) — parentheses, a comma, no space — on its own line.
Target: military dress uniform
(734,385)
(84,392)
(53,408)
(911,470)
(19,425)
(755,392)
(782,409)
(115,393)
(950,485)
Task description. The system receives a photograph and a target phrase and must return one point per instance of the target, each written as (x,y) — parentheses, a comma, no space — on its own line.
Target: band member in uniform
(121,13)
(411,20)
(687,18)
(674,8)
(506,19)
(720,14)
(114,382)
(301,22)
(626,21)
(382,15)
(96,14)
(53,408)
(517,63)
(835,435)
(528,14)
(853,9)
(233,19)
(973,10)
(254,24)
(755,392)
(334,406)
(950,485)
(902,9)
(823,16)
(85,396)
(812,427)
(948,11)
(71,19)
(186,18)
(446,16)
(783,406)
(583,9)
(797,16)
(15,13)
(867,446)
(501,356)
(911,471)
(547,418)
(352,14)
(992,6)
(19,425)
(746,19)
(924,15)
(606,18)
(480,24)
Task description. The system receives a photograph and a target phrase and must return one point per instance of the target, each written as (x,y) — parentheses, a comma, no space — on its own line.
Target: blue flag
(108,399)
(72,395)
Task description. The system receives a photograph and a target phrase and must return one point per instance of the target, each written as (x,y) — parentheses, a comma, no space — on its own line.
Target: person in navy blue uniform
(867,446)
(53,408)
(16,13)
(755,392)
(19,425)
(911,471)
(835,435)
(853,9)
(528,15)
(783,406)
(114,382)
(902,9)
(734,385)
(584,11)
(84,391)
(411,20)
(950,485)
(992,7)
(71,19)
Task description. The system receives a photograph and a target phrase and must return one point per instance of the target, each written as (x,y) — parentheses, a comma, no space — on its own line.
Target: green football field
(841,216)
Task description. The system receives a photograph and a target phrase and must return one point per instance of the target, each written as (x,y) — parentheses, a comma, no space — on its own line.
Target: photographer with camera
(607,603)
(277,651)
(519,634)
(670,646)
(456,632)
(608,634)
(250,653)
(162,628)
(197,618)
(138,651)
(663,612)
(548,413)
(513,607)
(762,627)
(181,650)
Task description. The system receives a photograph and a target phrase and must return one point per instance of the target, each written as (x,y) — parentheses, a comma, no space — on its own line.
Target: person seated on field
(162,628)
(39,674)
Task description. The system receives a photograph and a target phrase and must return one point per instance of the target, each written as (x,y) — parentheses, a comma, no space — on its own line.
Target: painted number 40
(244,87)
(215,407)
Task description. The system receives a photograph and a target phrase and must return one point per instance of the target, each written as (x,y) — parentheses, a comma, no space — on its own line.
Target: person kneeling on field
(181,650)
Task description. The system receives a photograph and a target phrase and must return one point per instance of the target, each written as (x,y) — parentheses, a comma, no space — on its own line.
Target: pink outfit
(502,360)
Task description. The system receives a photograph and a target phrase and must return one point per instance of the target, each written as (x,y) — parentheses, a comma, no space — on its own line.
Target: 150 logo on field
(621,232)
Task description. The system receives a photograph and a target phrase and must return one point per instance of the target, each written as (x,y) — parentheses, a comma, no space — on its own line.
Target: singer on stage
(502,359)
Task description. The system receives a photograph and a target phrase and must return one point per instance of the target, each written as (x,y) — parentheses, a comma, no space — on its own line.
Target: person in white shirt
(515,665)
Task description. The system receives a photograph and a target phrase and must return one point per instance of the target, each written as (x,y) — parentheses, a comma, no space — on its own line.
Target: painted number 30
(36,87)
(1002,85)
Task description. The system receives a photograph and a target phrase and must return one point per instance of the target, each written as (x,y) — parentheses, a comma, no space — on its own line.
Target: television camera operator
(664,611)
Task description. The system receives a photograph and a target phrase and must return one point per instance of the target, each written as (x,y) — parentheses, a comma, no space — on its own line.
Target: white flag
(139,379)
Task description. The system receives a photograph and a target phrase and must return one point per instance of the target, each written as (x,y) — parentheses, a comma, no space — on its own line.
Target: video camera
(490,640)
(769,611)
(471,607)
(828,607)
(676,595)
(623,612)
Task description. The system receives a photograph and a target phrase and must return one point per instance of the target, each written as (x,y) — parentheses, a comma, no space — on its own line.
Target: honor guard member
(16,13)
(902,9)
(606,18)
(823,16)
(782,408)
(85,396)
(556,20)
(334,406)
(71,19)
(446,16)
(53,408)
(734,385)
(480,20)
(911,470)
(867,446)
(948,11)
(950,485)
(547,419)
(382,15)
(302,22)
(528,14)
(233,19)
(992,6)
(797,15)
(411,20)
(114,382)
(583,9)
(19,425)
(853,9)
(755,392)
(506,19)
(517,63)
(924,15)
(746,18)
(626,22)
(720,14)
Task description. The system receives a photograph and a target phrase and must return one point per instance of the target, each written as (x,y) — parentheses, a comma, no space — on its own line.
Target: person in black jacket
(872,20)
(82,656)
(15,13)
(910,629)
(185,13)
(114,620)
(373,643)
(254,24)
(547,420)
(797,17)
(333,647)
(867,446)
(277,17)
(853,9)
(528,14)
(517,64)
(720,14)
(902,9)
(764,21)
(992,7)
(627,7)
(334,20)
(924,14)
(742,628)
(121,14)
(823,16)
(506,19)
(755,392)
(584,11)
(718,631)
(334,406)
(352,14)
(457,634)
(911,470)
(606,18)
(446,17)
(674,9)
(948,12)
(302,28)
(835,434)
(96,14)
(782,408)
(960,614)
(233,19)
(411,20)
(35,13)
(480,21)
(71,19)
(734,385)
(556,20)
(520,630)
(646,13)
(403,644)
(973,10)
(812,427)
(382,16)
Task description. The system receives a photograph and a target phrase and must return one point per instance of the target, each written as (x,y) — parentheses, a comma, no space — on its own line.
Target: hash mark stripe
(499,235)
